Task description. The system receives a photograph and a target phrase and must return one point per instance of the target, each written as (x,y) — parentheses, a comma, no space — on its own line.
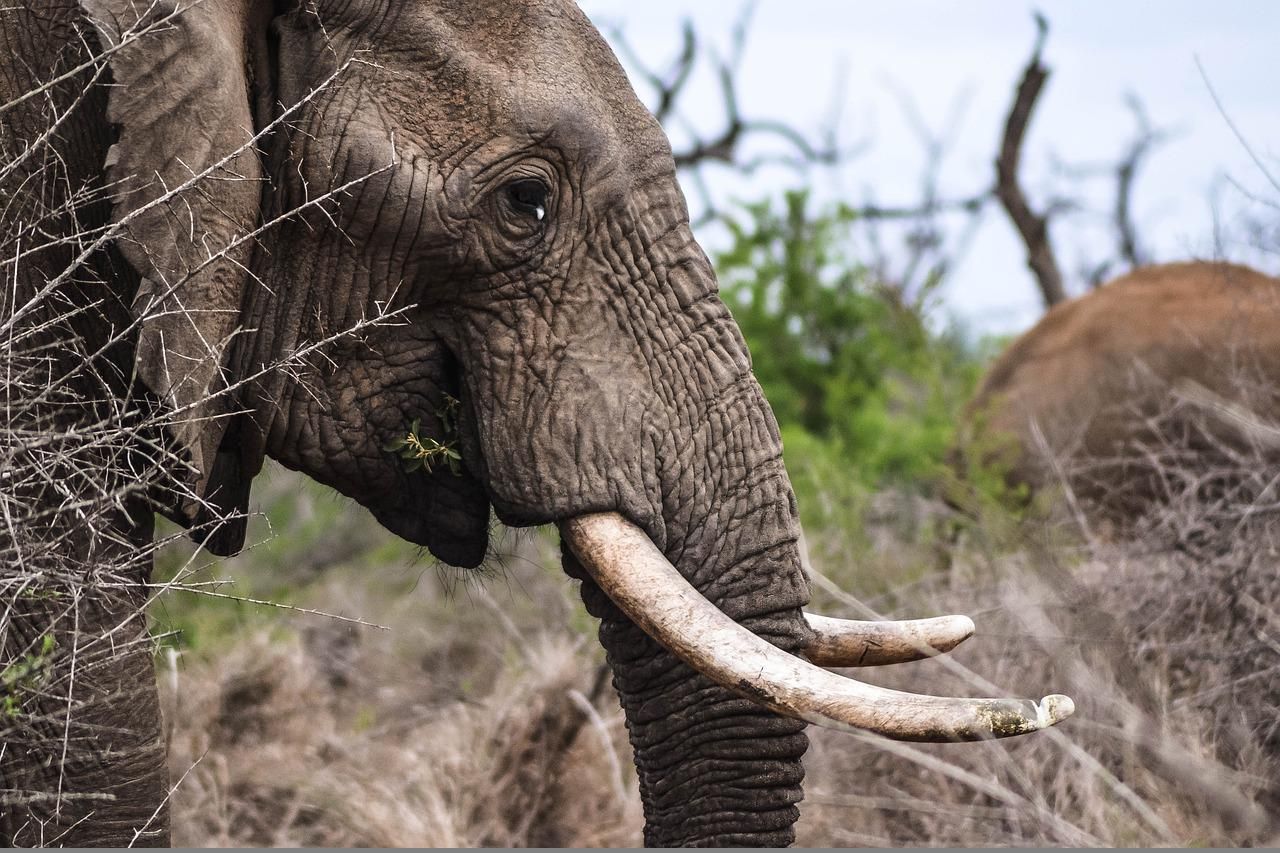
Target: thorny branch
(75,451)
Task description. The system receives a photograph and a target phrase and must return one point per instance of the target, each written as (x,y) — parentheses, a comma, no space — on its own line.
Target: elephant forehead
(538,69)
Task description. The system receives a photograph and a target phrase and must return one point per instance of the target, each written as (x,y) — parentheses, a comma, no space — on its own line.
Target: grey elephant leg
(83,760)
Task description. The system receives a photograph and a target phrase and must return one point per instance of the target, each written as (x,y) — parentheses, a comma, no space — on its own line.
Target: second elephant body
(1173,360)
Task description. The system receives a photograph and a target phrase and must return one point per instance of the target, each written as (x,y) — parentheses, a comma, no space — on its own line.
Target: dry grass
(459,727)
(497,728)
(1173,742)
(290,755)
(1168,639)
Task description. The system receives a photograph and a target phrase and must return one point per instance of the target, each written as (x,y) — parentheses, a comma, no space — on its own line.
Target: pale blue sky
(939,52)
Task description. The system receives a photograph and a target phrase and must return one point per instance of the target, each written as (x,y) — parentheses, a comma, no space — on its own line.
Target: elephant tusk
(649,590)
(849,642)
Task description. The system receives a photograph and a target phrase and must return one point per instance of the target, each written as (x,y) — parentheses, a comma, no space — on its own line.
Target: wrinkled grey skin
(596,367)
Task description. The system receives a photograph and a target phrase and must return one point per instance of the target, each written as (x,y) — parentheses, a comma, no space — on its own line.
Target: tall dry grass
(278,751)
(1173,739)
(1167,635)
(464,724)
(480,714)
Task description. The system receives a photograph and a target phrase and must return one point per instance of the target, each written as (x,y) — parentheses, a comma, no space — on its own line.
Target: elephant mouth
(644,585)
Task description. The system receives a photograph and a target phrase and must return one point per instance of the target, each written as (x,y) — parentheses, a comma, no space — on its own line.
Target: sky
(804,57)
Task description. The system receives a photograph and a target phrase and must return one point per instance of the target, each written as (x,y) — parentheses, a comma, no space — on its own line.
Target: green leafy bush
(852,361)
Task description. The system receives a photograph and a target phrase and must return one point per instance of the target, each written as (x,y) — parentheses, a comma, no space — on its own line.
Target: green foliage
(24,675)
(828,492)
(849,360)
(424,452)
(978,480)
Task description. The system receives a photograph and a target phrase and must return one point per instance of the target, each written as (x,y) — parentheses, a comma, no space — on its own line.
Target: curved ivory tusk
(849,642)
(646,587)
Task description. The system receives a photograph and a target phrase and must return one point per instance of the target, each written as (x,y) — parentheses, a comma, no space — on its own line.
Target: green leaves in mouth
(422,452)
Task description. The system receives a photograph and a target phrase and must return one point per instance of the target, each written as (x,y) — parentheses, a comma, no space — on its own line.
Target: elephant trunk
(643,434)
(715,767)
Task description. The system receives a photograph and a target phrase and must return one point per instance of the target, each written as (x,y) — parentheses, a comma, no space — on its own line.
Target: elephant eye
(529,196)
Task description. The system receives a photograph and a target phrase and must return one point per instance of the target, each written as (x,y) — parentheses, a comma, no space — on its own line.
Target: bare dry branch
(1032,227)
(795,149)
(83,450)
(1145,141)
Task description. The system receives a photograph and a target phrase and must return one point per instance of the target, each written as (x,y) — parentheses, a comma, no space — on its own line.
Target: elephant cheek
(341,421)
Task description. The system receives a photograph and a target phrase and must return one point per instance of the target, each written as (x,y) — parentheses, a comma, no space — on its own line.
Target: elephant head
(483,172)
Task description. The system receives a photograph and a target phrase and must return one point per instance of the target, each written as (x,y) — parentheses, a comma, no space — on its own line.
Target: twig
(167,796)
(1235,130)
(246,600)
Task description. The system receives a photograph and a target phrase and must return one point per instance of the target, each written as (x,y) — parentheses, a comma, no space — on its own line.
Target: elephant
(1101,382)
(366,239)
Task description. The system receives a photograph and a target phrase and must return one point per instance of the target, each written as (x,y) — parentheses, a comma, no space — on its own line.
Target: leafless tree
(910,246)
(727,146)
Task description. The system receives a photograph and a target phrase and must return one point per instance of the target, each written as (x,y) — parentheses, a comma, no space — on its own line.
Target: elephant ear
(186,186)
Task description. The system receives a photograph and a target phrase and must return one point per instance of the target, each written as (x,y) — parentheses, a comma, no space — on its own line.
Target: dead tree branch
(669,85)
(1130,250)
(1144,142)
(927,227)
(796,150)
(1032,227)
